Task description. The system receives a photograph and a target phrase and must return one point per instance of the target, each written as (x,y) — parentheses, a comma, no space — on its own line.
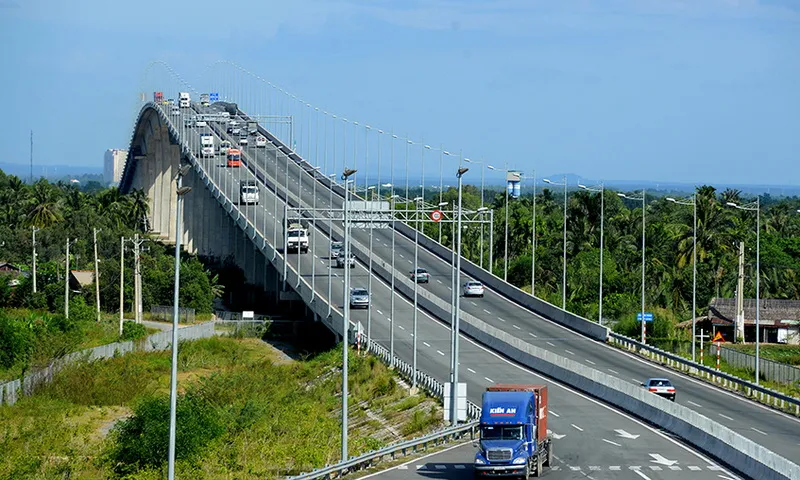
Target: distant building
(113,165)
(779,321)
(79,279)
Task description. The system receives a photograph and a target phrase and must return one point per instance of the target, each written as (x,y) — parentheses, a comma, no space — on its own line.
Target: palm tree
(138,208)
(46,208)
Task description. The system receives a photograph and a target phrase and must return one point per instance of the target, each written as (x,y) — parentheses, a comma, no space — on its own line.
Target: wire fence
(11,391)
(768,369)
(165,313)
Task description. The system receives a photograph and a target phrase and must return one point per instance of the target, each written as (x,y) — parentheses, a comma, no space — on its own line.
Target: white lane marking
(532,335)
(473,303)
(551,344)
(379,312)
(401,327)
(694,468)
(471,370)
(612,443)
(554,414)
(613,371)
(757,430)
(487,311)
(725,416)
(489,379)
(516,327)
(576,427)
(638,472)
(438,280)
(570,352)
(590,362)
(695,404)
(501,319)
(401,256)
(440,352)
(426,344)
(614,467)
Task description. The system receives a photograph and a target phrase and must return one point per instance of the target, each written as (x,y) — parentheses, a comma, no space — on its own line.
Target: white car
(661,387)
(340,261)
(261,141)
(200,124)
(473,288)
(336,247)
(243,140)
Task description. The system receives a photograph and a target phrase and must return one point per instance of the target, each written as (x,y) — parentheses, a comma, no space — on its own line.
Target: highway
(449,464)
(574,416)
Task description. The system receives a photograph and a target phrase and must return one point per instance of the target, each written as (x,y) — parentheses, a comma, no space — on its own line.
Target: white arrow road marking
(555,435)
(612,443)
(624,434)
(658,458)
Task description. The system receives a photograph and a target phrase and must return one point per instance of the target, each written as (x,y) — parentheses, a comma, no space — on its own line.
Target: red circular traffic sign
(436,215)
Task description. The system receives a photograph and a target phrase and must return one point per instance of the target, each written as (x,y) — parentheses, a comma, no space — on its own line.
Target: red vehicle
(234,157)
(158,97)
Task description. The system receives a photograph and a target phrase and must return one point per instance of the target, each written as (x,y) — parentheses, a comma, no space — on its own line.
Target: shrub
(142,441)
(133,331)
(16,340)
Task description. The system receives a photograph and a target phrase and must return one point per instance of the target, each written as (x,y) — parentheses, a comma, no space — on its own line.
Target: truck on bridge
(513,432)
(248,192)
(204,97)
(207,144)
(184,100)
(296,235)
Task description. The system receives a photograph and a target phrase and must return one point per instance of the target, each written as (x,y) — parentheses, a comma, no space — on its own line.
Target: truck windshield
(295,233)
(510,432)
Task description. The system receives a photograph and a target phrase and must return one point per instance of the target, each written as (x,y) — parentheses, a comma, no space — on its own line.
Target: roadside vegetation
(32,339)
(244,411)
(669,235)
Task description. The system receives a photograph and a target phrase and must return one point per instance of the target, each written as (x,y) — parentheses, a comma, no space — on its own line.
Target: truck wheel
(549,460)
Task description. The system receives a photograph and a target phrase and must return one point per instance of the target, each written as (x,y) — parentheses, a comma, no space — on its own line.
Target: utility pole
(66,283)
(34,229)
(121,283)
(96,275)
(32,164)
(739,330)
(137,278)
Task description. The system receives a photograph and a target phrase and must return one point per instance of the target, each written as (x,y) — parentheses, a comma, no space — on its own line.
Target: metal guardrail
(406,447)
(731,382)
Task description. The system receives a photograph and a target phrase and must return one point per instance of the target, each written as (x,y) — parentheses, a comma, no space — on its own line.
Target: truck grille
(498,454)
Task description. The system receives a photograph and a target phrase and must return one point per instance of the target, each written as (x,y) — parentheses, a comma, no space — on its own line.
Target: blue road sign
(648,317)
(213,97)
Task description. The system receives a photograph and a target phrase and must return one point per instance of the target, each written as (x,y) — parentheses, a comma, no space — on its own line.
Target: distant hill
(50,172)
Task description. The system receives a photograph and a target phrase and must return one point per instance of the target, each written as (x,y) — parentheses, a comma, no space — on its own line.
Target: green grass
(280,418)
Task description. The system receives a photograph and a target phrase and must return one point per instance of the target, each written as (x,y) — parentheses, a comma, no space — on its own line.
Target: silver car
(359,298)
(473,288)
(661,387)
(336,247)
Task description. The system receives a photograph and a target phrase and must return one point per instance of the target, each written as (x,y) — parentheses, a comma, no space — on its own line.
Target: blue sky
(702,91)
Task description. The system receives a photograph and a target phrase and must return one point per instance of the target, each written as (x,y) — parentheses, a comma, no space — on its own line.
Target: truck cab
(207,144)
(204,97)
(296,238)
(184,100)
(513,432)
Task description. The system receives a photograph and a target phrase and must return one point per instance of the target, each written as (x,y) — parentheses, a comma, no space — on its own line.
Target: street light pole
(173,389)
(756,207)
(454,388)
(693,203)
(601,191)
(417,201)
(346,309)
(644,206)
(564,270)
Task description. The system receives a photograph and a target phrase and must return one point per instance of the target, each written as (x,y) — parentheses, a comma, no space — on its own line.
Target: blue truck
(513,432)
